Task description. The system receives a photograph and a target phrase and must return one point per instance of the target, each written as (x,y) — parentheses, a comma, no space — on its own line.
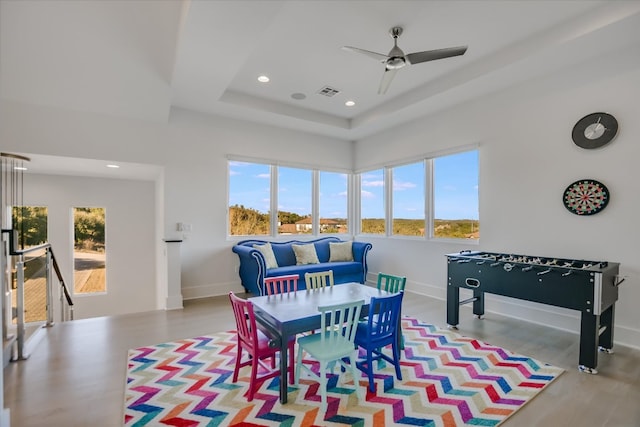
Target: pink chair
(281,284)
(256,344)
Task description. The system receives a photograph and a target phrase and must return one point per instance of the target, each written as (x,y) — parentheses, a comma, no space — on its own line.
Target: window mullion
(315,202)
(274,200)
(428,199)
(388,200)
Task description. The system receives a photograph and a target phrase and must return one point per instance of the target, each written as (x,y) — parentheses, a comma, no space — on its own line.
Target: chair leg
(323,384)
(298,366)
(356,376)
(372,387)
(238,360)
(396,360)
(254,375)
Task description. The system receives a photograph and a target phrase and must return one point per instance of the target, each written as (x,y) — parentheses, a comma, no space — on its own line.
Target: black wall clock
(594,130)
(586,197)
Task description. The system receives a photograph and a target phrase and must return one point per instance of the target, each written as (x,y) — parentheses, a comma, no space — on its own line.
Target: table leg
(284,357)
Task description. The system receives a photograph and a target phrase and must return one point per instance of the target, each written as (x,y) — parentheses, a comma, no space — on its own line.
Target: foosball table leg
(605,341)
(589,335)
(453,306)
(478,304)
(587,370)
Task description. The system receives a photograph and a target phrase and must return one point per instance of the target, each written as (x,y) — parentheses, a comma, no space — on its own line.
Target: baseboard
(174,302)
(5,418)
(211,290)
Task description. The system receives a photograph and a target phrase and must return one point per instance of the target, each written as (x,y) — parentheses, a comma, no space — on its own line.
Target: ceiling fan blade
(432,55)
(374,55)
(386,80)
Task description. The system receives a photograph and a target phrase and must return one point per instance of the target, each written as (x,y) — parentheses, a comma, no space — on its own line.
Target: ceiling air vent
(328,91)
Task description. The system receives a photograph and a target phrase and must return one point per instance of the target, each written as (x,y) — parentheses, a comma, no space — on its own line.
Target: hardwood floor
(76,375)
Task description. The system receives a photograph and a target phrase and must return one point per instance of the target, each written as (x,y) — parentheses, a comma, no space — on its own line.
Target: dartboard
(586,197)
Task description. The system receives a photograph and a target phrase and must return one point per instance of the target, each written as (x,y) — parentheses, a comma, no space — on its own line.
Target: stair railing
(66,303)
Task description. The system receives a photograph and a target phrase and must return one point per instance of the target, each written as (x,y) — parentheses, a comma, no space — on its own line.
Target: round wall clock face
(586,197)
(594,130)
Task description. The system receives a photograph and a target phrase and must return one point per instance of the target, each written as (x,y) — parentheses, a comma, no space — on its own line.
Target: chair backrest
(385,323)
(390,283)
(318,280)
(281,284)
(340,321)
(245,320)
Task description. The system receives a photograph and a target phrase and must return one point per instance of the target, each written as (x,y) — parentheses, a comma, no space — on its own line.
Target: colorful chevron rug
(448,380)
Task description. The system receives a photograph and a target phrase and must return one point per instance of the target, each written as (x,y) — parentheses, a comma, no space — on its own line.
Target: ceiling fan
(396,58)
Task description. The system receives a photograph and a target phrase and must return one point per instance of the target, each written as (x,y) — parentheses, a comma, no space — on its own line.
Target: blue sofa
(253,267)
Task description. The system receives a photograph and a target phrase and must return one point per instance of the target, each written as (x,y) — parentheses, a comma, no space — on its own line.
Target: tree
(31,225)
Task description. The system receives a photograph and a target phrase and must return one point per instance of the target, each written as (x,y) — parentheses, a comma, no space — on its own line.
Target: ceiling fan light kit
(397,59)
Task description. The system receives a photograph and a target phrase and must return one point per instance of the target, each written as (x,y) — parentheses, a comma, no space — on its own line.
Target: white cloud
(367,194)
(401,186)
(263,175)
(379,183)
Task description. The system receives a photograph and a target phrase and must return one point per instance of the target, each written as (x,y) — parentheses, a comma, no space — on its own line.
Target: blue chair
(333,343)
(378,331)
(393,284)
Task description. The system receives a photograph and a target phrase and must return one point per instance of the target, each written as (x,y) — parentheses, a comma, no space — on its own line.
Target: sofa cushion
(267,252)
(340,251)
(339,268)
(305,254)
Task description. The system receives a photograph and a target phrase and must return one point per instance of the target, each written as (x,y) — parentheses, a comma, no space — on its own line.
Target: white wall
(527,159)
(130,235)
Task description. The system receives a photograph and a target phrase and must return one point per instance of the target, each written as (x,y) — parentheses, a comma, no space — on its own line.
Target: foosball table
(590,287)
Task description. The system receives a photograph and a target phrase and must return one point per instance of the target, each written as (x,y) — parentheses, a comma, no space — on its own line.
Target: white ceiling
(141,58)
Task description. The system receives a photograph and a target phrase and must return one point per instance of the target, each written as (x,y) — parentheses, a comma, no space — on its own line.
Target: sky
(455,189)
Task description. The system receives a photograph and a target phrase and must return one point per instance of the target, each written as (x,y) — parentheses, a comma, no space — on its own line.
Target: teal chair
(390,283)
(334,343)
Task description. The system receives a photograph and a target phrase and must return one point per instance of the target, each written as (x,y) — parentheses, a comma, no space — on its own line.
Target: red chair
(281,284)
(256,344)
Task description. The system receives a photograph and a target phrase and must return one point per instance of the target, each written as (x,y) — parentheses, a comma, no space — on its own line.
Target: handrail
(12,244)
(56,268)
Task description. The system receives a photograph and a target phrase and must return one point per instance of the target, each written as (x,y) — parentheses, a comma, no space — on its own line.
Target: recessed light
(113,166)
(20,168)
(298,95)
(263,79)
(350,103)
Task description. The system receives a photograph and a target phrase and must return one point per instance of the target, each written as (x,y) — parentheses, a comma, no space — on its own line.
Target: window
(455,196)
(451,195)
(31,224)
(294,201)
(372,202)
(306,201)
(249,199)
(89,259)
(408,199)
(333,202)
